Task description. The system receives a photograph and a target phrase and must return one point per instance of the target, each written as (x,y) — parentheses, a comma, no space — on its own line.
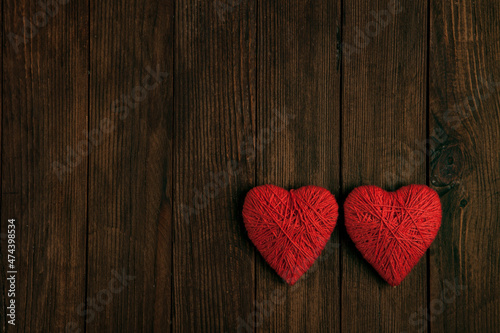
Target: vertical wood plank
(3,235)
(298,143)
(383,144)
(214,163)
(130,187)
(465,165)
(44,163)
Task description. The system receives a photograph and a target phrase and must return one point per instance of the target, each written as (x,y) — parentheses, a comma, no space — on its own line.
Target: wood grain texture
(130,188)
(465,165)
(44,114)
(131,132)
(3,235)
(214,163)
(298,141)
(383,144)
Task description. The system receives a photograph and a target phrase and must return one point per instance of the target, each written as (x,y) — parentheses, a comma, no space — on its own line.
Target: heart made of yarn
(290,229)
(392,230)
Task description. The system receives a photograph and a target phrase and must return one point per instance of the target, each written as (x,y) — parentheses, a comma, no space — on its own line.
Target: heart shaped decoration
(392,230)
(290,229)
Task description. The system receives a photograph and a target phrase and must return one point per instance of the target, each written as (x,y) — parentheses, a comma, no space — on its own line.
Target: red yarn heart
(290,229)
(392,230)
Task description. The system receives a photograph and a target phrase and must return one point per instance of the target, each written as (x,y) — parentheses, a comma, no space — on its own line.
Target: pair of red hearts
(392,230)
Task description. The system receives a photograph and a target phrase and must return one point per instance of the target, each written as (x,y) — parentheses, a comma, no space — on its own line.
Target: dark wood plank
(130,187)
(44,186)
(465,166)
(383,144)
(214,163)
(3,235)
(298,142)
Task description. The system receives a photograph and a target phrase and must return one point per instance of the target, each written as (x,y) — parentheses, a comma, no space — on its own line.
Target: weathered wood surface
(131,132)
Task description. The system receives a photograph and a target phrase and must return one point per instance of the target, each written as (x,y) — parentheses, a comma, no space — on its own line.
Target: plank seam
(172,177)
(257,75)
(88,175)
(427,135)
(341,85)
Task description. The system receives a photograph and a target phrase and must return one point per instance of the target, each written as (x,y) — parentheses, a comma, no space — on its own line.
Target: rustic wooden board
(214,163)
(130,169)
(298,141)
(465,165)
(383,144)
(44,114)
(252,92)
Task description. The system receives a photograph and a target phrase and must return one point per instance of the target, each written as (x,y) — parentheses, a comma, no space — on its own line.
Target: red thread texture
(290,229)
(392,230)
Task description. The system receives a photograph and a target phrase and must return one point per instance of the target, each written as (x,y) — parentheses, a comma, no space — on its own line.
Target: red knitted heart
(392,230)
(290,229)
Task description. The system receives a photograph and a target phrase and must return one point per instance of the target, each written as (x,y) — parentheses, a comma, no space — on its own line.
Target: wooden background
(110,171)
